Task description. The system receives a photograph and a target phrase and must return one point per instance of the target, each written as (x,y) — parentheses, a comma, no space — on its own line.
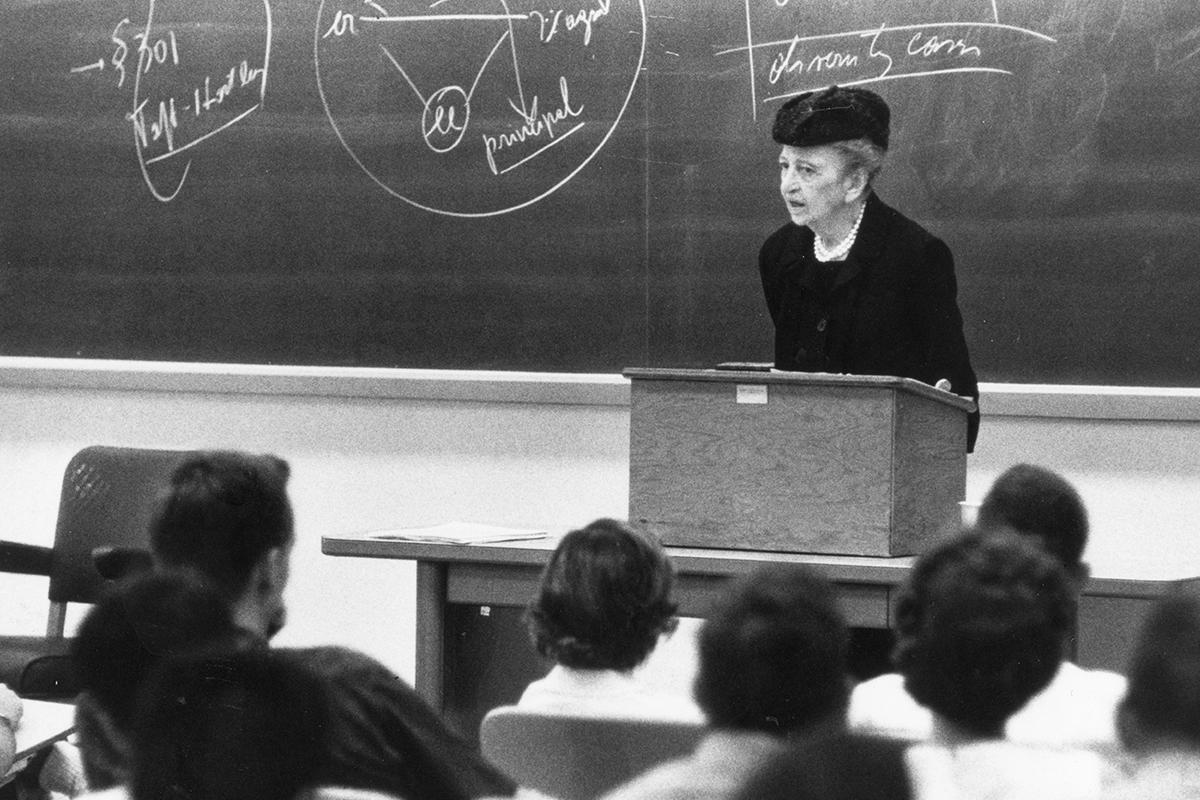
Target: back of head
(127,632)
(1163,699)
(843,766)
(604,598)
(1035,501)
(773,653)
(224,510)
(226,725)
(981,626)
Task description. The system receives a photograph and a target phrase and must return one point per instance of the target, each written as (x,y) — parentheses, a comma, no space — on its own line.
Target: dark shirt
(383,736)
(890,308)
(387,738)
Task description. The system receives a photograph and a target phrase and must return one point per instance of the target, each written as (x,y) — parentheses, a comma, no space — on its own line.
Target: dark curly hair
(1164,672)
(137,624)
(225,724)
(981,625)
(223,511)
(773,653)
(1038,502)
(604,598)
(840,766)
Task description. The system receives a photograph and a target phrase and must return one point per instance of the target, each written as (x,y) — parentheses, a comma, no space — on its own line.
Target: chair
(579,758)
(108,496)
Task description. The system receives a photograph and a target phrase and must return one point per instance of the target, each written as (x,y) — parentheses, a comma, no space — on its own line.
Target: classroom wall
(380,448)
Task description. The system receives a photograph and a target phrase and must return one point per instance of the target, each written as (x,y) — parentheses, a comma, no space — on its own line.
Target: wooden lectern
(794,462)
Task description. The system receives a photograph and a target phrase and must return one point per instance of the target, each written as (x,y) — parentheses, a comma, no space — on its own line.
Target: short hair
(226,725)
(1164,671)
(223,511)
(862,154)
(604,598)
(142,621)
(842,766)
(981,625)
(773,653)
(1036,501)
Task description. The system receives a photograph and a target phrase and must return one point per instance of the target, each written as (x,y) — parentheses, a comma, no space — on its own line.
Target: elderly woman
(603,602)
(852,285)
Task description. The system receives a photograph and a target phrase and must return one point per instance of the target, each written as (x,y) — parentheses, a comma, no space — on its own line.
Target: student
(1159,718)
(603,602)
(772,668)
(1078,706)
(227,518)
(118,643)
(981,624)
(225,722)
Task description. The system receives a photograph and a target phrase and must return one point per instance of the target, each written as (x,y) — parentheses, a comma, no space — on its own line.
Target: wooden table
(453,577)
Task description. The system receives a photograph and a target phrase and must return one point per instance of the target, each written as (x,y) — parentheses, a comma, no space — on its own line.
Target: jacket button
(821,325)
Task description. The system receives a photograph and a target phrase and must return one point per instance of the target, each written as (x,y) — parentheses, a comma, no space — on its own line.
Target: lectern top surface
(908,385)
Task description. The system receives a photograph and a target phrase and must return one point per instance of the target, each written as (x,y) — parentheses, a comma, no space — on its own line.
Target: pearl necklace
(838,251)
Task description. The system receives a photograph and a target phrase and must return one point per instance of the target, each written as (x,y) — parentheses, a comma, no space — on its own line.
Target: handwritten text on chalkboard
(181,97)
(804,61)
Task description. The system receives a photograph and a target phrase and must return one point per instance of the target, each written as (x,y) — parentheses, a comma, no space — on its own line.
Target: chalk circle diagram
(475,108)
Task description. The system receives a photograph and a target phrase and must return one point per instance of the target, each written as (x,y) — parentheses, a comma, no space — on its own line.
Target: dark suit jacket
(889,309)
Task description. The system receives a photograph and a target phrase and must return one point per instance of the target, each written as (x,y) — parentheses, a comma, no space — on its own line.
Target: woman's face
(815,184)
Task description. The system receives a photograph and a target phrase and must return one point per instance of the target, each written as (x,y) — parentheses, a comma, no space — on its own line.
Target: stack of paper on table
(459,533)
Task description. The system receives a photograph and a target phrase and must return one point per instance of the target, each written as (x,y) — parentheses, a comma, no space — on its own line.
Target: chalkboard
(584,185)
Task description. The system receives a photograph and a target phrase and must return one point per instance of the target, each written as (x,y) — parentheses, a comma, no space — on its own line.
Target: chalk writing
(168,119)
(458,69)
(782,68)
(548,22)
(535,125)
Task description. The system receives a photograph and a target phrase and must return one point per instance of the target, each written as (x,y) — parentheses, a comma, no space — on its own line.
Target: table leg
(431,632)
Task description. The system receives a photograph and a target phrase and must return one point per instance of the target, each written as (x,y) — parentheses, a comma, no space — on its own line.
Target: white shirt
(1002,770)
(1077,709)
(604,693)
(1167,775)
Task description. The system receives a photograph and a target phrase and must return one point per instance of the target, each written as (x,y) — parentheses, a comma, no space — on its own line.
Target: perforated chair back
(107,501)
(108,498)
(579,758)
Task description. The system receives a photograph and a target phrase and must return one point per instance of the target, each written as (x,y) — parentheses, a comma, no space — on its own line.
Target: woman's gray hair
(862,154)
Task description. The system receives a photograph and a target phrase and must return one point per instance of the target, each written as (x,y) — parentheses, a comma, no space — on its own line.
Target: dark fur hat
(834,115)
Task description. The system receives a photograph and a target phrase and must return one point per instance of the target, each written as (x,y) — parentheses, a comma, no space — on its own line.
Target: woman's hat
(835,114)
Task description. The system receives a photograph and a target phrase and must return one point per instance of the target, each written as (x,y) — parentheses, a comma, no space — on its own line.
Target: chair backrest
(580,758)
(108,498)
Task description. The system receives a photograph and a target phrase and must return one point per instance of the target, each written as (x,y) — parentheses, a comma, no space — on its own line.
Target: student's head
(604,598)
(1161,708)
(227,725)
(120,640)
(226,517)
(980,628)
(137,624)
(773,654)
(1037,502)
(841,766)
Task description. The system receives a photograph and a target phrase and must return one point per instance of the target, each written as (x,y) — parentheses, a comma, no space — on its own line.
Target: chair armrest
(25,559)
